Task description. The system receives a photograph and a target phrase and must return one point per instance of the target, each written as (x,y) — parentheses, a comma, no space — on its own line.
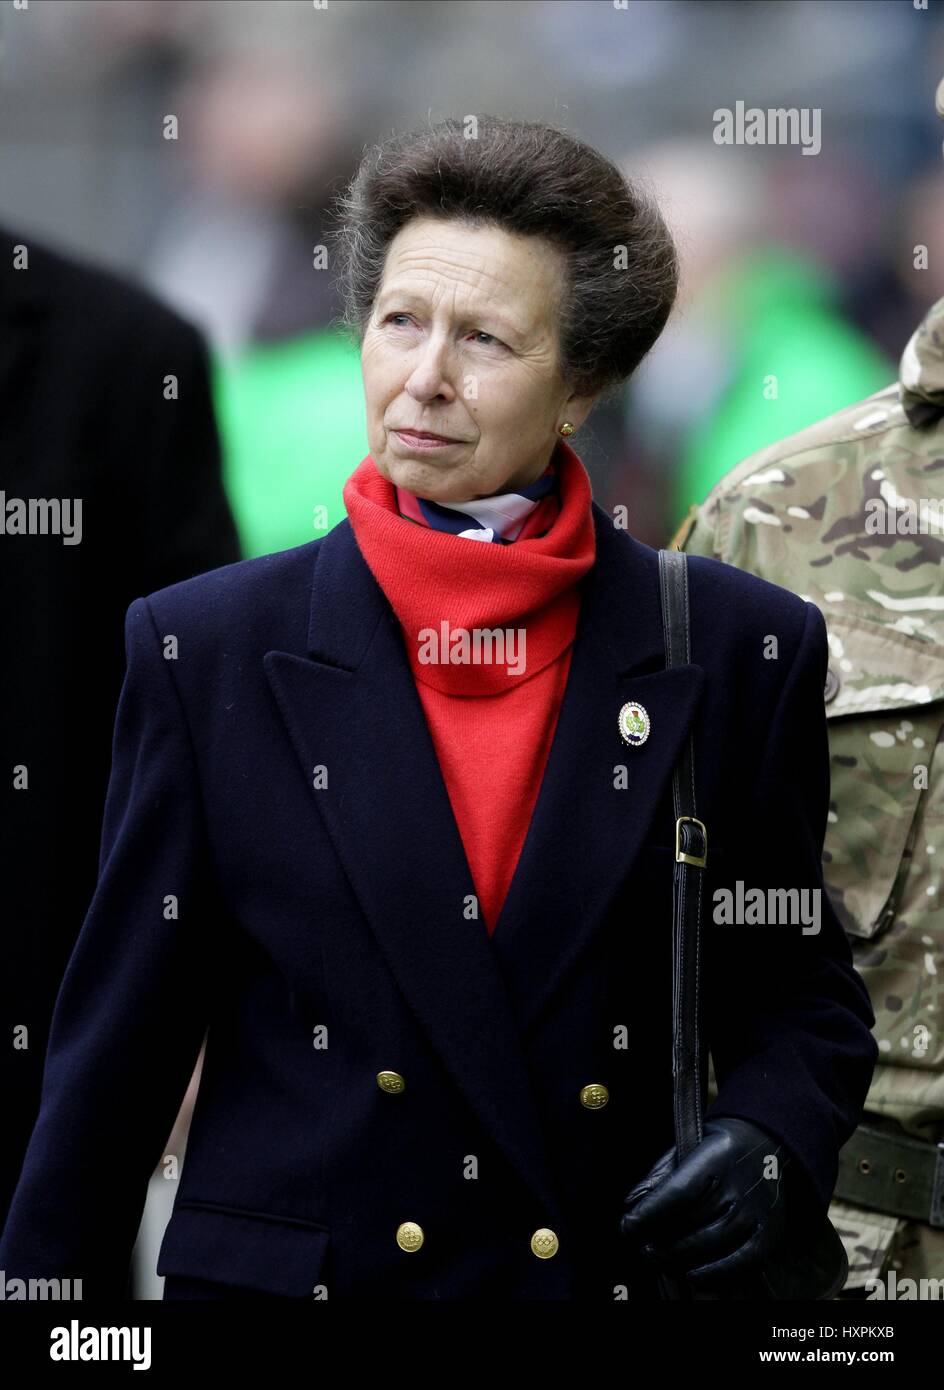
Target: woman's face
(463,342)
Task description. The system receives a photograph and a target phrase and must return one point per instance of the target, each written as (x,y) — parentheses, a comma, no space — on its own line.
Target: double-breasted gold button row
(593,1096)
(544,1242)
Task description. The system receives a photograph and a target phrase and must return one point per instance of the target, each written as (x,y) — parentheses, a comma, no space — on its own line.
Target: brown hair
(534,180)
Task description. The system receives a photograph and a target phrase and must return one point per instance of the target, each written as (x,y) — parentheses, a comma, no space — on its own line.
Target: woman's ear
(577,408)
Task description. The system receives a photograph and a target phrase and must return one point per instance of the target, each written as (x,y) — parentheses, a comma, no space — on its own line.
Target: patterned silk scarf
(510,516)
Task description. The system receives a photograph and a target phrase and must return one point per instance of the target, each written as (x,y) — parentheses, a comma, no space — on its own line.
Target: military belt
(893,1173)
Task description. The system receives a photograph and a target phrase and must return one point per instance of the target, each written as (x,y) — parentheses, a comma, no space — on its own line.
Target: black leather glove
(715,1218)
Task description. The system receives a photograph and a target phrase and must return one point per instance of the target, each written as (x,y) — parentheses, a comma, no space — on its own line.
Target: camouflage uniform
(796,513)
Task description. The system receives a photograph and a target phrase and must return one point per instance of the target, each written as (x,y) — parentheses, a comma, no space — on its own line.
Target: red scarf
(492,749)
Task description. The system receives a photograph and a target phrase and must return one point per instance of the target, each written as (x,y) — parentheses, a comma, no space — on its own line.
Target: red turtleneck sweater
(491,727)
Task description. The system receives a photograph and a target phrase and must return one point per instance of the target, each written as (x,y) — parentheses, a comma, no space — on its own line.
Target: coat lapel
(352,707)
(591,819)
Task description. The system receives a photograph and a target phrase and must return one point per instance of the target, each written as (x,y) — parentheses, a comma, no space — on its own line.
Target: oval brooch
(634,724)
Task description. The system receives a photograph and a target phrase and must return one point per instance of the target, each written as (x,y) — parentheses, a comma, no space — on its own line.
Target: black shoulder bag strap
(691,854)
(816,1267)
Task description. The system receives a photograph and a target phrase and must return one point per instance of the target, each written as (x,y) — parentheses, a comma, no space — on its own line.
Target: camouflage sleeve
(699,533)
(788,1018)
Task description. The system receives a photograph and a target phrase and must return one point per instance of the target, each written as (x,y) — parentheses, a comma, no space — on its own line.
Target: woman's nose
(430,375)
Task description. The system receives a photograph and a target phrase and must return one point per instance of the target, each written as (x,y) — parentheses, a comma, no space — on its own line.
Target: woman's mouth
(421,439)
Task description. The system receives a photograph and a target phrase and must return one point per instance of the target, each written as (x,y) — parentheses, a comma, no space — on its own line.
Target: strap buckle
(694,842)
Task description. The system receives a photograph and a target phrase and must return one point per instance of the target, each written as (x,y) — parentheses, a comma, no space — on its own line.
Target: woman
(372,821)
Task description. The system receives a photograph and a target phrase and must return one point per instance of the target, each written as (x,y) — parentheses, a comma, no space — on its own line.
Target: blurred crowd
(196,147)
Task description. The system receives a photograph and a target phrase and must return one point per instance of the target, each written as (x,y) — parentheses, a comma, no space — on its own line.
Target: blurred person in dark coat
(128,462)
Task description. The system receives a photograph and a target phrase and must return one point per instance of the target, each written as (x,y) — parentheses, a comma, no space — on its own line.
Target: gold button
(544,1243)
(391,1082)
(409,1235)
(594,1096)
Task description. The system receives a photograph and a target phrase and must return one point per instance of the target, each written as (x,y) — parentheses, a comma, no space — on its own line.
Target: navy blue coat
(308,913)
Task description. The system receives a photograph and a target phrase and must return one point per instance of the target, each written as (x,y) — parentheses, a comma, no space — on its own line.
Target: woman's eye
(486,339)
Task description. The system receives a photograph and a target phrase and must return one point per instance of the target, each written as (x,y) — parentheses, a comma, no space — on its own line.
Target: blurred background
(794,264)
(193,147)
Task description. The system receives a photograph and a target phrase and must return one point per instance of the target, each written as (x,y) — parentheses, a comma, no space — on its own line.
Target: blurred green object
(293,429)
(794,360)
